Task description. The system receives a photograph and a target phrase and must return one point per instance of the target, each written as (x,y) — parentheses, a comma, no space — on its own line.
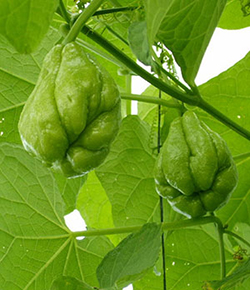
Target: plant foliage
(133,236)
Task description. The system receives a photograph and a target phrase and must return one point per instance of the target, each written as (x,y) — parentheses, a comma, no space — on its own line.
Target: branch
(152,100)
(191,98)
(115,10)
(81,20)
(237,237)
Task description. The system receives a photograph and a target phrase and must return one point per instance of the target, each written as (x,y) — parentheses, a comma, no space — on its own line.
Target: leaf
(135,254)
(95,207)
(229,93)
(25,23)
(138,41)
(36,246)
(233,17)
(185,28)
(69,283)
(155,14)
(235,279)
(9,125)
(127,175)
(69,189)
(18,74)
(192,255)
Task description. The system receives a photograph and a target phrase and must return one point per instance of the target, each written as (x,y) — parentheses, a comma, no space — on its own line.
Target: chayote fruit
(195,171)
(73,113)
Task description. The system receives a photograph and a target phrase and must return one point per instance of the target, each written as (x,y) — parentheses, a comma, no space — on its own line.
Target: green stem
(115,10)
(63,12)
(128,62)
(168,74)
(117,35)
(152,100)
(222,251)
(241,156)
(193,99)
(237,237)
(188,98)
(81,20)
(165,226)
(223,119)
(104,232)
(174,79)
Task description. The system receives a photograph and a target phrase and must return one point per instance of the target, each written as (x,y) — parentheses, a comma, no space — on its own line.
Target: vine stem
(62,10)
(241,156)
(115,10)
(192,98)
(224,119)
(152,100)
(175,92)
(237,237)
(222,250)
(166,227)
(81,20)
(161,202)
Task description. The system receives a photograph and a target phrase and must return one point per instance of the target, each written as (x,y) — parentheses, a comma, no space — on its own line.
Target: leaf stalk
(237,237)
(152,100)
(81,20)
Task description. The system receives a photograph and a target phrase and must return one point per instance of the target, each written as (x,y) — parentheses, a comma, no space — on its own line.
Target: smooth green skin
(195,170)
(73,113)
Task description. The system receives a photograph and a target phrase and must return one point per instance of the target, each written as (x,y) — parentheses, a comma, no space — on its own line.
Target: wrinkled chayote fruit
(195,170)
(73,113)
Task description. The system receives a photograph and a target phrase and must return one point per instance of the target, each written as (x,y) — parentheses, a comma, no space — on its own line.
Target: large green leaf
(69,189)
(94,205)
(233,16)
(185,27)
(135,254)
(25,23)
(18,74)
(229,92)
(36,246)
(192,255)
(127,175)
(138,41)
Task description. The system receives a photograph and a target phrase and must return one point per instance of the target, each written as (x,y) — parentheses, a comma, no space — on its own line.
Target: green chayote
(73,113)
(195,170)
